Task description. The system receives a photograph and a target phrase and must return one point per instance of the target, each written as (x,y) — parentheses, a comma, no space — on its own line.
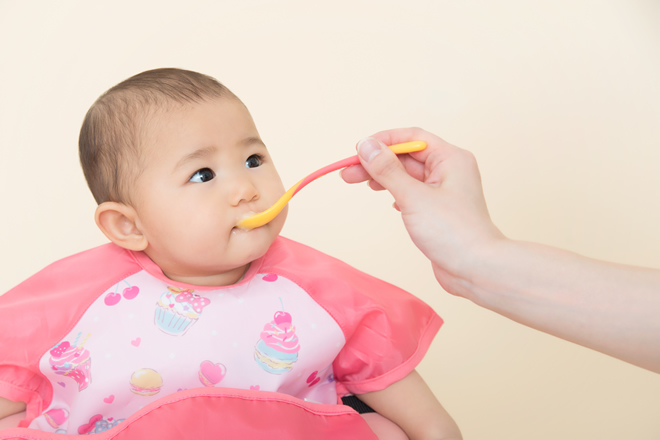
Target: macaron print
(145,382)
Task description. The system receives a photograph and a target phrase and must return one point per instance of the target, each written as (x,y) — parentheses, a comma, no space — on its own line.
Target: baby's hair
(112,130)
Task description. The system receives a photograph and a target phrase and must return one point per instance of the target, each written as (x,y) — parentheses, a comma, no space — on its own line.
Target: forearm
(411,404)
(8,407)
(11,413)
(11,421)
(608,307)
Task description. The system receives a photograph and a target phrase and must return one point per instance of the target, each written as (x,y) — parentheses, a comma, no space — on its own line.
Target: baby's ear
(119,223)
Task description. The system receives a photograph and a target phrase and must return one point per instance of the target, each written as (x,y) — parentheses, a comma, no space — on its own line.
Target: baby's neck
(222,279)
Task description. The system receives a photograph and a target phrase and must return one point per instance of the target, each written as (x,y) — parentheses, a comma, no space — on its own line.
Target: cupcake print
(72,361)
(277,349)
(178,309)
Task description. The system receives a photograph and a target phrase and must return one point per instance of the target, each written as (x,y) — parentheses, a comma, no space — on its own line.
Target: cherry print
(111,299)
(282,317)
(131,292)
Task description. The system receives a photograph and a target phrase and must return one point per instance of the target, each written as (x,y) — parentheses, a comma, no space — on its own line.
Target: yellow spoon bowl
(252,220)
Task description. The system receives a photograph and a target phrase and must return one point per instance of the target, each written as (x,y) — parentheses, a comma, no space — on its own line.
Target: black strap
(357,404)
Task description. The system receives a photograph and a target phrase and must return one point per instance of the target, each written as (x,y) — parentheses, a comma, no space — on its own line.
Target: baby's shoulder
(286,255)
(80,274)
(46,305)
(353,298)
(321,274)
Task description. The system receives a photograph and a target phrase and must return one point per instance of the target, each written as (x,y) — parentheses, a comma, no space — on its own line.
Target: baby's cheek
(196,226)
(188,240)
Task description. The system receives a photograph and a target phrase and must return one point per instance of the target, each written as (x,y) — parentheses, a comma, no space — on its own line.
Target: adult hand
(438,191)
(605,306)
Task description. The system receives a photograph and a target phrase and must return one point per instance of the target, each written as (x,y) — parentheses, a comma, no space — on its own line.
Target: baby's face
(204,167)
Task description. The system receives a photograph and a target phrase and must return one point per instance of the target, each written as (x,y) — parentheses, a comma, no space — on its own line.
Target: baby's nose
(244,190)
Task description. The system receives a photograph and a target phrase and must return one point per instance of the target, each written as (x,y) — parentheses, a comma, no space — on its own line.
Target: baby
(182,299)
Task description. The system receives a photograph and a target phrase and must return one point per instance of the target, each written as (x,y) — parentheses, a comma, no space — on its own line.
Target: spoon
(252,220)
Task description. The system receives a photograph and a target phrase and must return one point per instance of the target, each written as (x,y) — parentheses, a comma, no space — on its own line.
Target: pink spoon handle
(353,160)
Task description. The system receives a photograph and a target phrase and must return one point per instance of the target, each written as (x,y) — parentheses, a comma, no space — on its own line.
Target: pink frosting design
(195,301)
(280,334)
(73,362)
(56,416)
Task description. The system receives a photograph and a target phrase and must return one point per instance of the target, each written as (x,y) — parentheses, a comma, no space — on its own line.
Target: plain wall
(559,101)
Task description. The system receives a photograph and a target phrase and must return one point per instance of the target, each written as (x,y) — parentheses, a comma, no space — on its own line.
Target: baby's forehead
(201,119)
(157,120)
(197,129)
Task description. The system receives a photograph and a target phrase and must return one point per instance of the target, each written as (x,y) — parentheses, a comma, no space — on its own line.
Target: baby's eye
(254,161)
(203,175)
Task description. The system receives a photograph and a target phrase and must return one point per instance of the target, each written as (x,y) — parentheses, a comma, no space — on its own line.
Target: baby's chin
(252,244)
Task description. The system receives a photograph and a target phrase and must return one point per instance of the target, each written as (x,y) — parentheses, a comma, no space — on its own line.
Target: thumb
(383,166)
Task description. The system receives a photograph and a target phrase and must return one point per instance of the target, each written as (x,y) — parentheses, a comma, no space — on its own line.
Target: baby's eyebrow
(200,153)
(252,140)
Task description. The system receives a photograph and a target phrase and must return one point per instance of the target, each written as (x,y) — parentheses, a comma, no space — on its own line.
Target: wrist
(470,275)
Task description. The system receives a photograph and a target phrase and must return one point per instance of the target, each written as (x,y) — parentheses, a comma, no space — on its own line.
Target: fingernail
(368,148)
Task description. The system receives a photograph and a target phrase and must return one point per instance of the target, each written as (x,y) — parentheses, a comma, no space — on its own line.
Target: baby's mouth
(243,216)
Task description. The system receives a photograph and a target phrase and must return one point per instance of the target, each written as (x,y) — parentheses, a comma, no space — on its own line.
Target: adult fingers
(357,173)
(434,145)
(354,174)
(385,168)
(375,185)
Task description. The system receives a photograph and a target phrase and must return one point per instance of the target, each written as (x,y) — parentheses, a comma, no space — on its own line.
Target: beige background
(560,102)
